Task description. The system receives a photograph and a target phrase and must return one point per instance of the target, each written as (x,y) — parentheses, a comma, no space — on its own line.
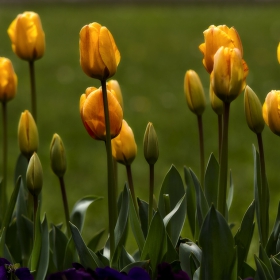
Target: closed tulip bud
(34,175)
(27,36)
(253,110)
(271,111)
(92,114)
(8,80)
(216,103)
(124,148)
(194,92)
(216,37)
(228,77)
(99,55)
(151,151)
(58,156)
(28,138)
(114,87)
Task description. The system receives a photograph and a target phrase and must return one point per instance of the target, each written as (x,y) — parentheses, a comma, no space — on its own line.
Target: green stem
(151,194)
(131,186)
(33,90)
(35,210)
(264,196)
(112,191)
(65,204)
(3,193)
(220,133)
(222,192)
(201,146)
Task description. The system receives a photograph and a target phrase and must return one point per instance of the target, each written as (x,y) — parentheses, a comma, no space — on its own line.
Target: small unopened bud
(253,111)
(216,103)
(151,151)
(34,175)
(58,156)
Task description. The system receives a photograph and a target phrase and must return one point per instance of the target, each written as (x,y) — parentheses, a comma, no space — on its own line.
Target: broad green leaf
(219,252)
(59,247)
(247,271)
(262,272)
(125,259)
(174,187)
(143,215)
(2,241)
(88,259)
(212,181)
(142,264)
(21,167)
(155,246)
(93,243)
(12,241)
(70,254)
(265,259)
(191,201)
(196,275)
(171,253)
(230,192)
(78,213)
(276,267)
(244,235)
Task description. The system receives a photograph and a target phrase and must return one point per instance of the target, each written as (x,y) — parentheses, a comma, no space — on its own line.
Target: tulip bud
(58,156)
(34,175)
(216,103)
(150,144)
(27,36)
(271,111)
(99,55)
(114,87)
(253,111)
(28,138)
(92,114)
(124,148)
(194,92)
(8,80)
(228,78)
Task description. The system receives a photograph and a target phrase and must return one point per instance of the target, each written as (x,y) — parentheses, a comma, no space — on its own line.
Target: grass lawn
(157,45)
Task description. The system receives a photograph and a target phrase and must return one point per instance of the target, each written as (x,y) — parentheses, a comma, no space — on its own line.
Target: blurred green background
(157,45)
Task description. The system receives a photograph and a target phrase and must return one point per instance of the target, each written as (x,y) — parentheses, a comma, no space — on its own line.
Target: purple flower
(7,269)
(165,273)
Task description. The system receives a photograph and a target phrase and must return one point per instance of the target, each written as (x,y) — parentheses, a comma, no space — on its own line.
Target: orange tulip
(92,113)
(115,88)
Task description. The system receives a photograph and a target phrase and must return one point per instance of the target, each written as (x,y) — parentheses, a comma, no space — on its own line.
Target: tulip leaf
(265,259)
(141,264)
(211,181)
(125,259)
(78,213)
(191,201)
(94,242)
(262,271)
(276,266)
(143,215)
(174,187)
(171,254)
(230,191)
(12,240)
(70,254)
(88,259)
(219,252)
(21,167)
(155,246)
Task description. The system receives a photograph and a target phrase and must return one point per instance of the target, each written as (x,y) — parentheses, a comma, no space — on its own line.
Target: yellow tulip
(115,88)
(8,80)
(28,138)
(216,103)
(92,114)
(271,111)
(124,148)
(228,77)
(27,36)
(216,37)
(194,92)
(99,55)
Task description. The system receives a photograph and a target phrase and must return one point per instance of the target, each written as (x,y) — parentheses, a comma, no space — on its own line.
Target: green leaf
(78,213)
(125,259)
(191,201)
(142,264)
(230,191)
(276,266)
(70,254)
(265,259)
(2,242)
(174,187)
(247,271)
(21,167)
(262,270)
(12,241)
(88,259)
(171,254)
(212,181)
(219,252)
(93,243)
(143,215)
(156,245)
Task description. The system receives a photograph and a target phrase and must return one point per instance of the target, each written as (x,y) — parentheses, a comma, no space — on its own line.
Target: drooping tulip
(27,36)
(114,87)
(99,55)
(92,114)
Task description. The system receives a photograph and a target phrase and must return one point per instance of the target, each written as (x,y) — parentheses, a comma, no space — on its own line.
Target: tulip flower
(92,114)
(215,37)
(216,103)
(114,87)
(99,55)
(27,36)
(194,92)
(8,80)
(228,76)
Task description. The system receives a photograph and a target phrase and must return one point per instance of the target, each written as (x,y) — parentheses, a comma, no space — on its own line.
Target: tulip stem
(35,210)
(112,190)
(131,186)
(5,153)
(201,146)
(65,203)
(220,135)
(33,90)
(151,194)
(264,195)
(222,191)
